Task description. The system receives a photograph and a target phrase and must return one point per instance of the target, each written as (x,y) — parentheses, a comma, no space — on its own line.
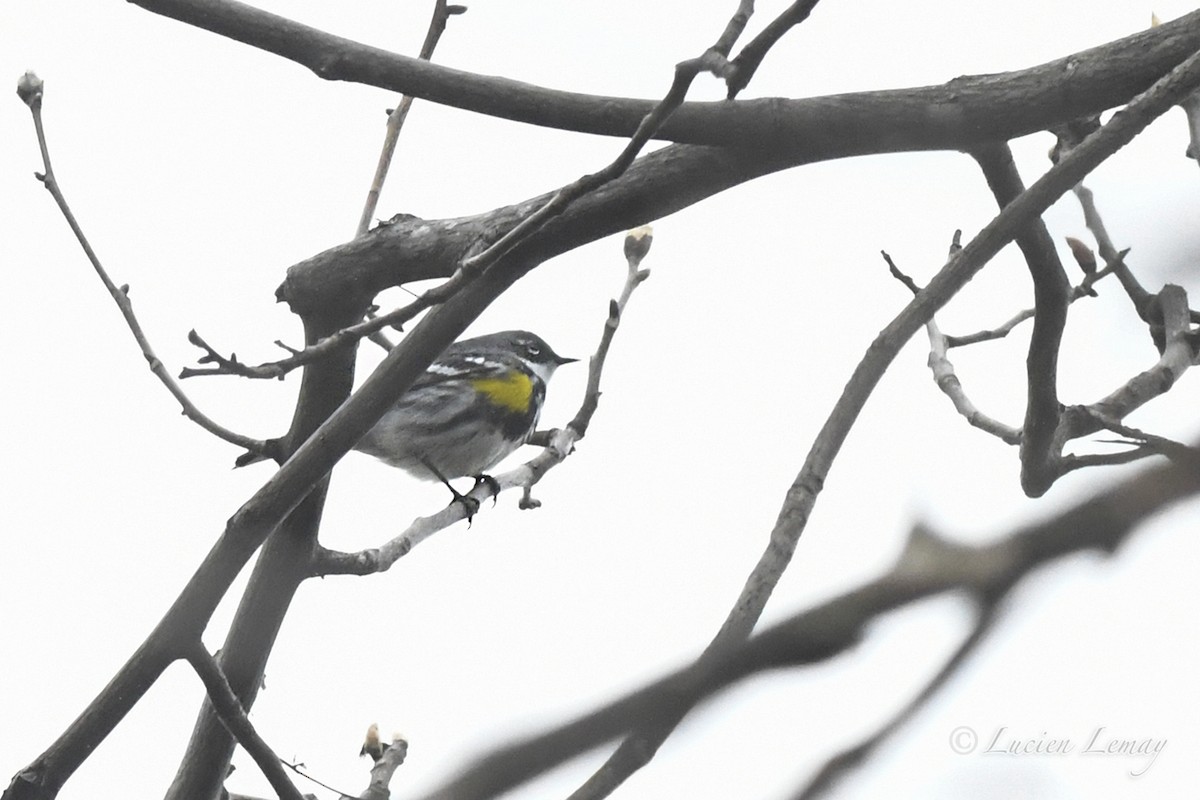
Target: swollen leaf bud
(1084,256)
(637,243)
(29,89)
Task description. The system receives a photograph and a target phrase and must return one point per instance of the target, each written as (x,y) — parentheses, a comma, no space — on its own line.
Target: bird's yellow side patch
(513,391)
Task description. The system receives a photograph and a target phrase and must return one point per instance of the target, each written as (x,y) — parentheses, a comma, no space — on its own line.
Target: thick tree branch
(970,109)
(961,115)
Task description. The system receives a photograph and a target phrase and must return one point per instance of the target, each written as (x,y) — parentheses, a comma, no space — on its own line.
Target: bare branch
(233,716)
(345,337)
(955,116)
(1050,293)
(1182,454)
(979,108)
(1191,107)
(1070,463)
(944,374)
(854,757)
(1112,257)
(437,25)
(32,93)
(711,60)
(750,58)
(1083,289)
(1178,355)
(383,770)
(947,380)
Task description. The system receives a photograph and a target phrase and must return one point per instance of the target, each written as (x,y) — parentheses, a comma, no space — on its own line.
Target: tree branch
(234,718)
(1050,300)
(437,25)
(854,757)
(711,60)
(944,375)
(957,116)
(972,109)
(30,89)
(750,58)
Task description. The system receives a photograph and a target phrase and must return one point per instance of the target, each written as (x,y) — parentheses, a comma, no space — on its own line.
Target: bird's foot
(492,483)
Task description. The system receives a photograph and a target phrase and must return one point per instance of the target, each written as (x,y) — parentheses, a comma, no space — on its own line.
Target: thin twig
(1069,463)
(437,25)
(751,56)
(1180,453)
(854,757)
(378,337)
(714,60)
(234,718)
(343,338)
(944,374)
(1082,289)
(1138,295)
(299,770)
(31,91)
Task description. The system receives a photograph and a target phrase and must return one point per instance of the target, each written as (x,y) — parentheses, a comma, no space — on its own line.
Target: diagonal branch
(437,26)
(344,337)
(257,518)
(233,716)
(854,757)
(750,58)
(711,60)
(944,374)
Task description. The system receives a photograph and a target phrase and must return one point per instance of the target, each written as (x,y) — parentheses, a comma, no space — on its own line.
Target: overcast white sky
(201,169)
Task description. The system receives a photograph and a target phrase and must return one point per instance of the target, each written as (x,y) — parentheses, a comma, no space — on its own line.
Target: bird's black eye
(532,349)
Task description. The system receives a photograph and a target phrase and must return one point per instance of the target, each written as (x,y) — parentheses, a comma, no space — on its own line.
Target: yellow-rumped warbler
(478,402)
